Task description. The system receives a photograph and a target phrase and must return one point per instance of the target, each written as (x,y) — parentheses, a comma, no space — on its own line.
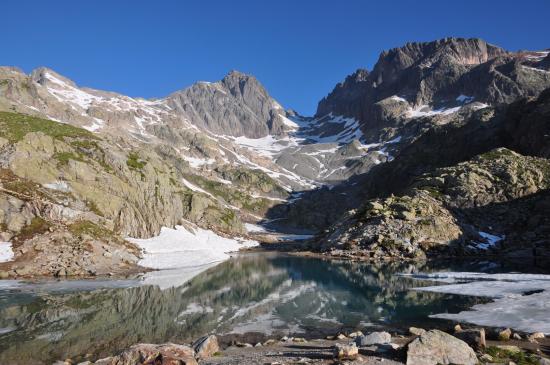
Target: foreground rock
(343,351)
(142,354)
(375,338)
(206,346)
(437,347)
(473,337)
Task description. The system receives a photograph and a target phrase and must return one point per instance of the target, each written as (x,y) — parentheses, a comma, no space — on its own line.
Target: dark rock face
(434,74)
(237,105)
(445,191)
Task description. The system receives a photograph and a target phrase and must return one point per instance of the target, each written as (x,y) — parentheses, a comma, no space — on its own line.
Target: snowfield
(521,301)
(6,252)
(182,253)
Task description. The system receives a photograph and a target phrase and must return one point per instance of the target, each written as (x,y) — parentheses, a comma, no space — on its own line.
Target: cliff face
(473,187)
(238,105)
(435,75)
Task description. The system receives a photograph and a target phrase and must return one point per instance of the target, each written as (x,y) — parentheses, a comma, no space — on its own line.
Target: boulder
(437,347)
(535,336)
(505,334)
(416,331)
(206,346)
(374,338)
(475,338)
(166,354)
(343,351)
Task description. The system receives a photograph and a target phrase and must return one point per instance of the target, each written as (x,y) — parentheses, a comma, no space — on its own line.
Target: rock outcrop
(437,347)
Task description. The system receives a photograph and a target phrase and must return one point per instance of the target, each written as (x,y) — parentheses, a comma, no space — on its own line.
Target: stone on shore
(374,338)
(505,334)
(206,346)
(475,338)
(166,354)
(437,347)
(343,351)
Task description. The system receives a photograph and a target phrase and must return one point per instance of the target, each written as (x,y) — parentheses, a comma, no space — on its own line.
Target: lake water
(253,295)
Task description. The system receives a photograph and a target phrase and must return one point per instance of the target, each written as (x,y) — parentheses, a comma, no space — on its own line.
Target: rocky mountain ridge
(223,153)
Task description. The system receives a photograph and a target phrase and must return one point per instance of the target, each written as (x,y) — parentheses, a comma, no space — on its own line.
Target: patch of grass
(89,228)
(15,126)
(64,157)
(37,226)
(134,162)
(504,356)
(93,207)
(92,149)
(20,186)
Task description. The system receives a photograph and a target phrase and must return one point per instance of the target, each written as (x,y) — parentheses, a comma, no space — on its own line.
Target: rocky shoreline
(416,346)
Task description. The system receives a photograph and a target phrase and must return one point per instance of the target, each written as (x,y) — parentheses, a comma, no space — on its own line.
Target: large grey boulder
(437,347)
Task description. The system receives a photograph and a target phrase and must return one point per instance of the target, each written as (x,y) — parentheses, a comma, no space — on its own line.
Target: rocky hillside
(478,186)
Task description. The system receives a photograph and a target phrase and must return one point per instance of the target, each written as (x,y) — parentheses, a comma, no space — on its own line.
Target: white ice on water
(182,253)
(521,301)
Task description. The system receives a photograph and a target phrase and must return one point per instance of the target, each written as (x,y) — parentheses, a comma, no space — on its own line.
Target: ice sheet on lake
(521,301)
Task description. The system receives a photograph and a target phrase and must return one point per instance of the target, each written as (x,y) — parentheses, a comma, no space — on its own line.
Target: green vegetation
(64,157)
(502,356)
(93,208)
(14,127)
(134,162)
(86,227)
(37,226)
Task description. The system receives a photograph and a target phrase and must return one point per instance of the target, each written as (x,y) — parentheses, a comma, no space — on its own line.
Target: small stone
(374,206)
(348,352)
(375,338)
(330,338)
(516,336)
(486,358)
(259,344)
(458,328)
(536,336)
(416,331)
(355,334)
(269,342)
(475,338)
(505,334)
(341,336)
(241,344)
(299,339)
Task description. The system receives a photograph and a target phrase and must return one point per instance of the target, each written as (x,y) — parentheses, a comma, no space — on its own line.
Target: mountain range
(427,154)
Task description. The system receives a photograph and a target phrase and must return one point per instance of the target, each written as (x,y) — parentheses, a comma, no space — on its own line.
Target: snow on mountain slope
(300,153)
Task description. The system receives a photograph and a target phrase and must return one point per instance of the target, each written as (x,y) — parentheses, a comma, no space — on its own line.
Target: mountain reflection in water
(270,294)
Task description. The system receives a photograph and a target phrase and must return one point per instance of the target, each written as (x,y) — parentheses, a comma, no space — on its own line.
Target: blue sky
(298,49)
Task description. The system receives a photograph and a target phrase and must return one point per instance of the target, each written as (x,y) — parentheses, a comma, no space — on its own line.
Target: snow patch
(193,250)
(464,99)
(58,185)
(6,252)
(491,240)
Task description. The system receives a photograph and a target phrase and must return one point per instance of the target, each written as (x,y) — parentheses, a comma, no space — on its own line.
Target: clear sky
(299,49)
